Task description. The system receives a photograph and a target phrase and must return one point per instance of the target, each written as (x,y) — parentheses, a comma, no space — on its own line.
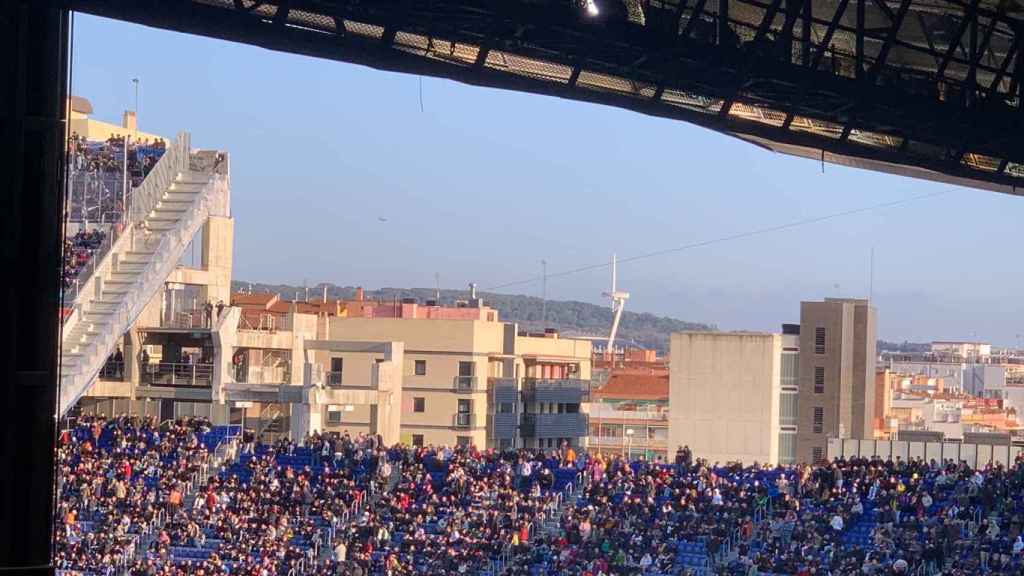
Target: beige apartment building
(467,381)
(837,374)
(724,395)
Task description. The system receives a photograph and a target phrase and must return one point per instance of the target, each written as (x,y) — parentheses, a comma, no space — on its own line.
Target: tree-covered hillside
(569,317)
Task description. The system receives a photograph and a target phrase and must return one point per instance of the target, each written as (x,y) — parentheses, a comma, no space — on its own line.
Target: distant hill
(571,318)
(904,347)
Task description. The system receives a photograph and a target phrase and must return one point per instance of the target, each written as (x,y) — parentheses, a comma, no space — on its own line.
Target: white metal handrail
(177,374)
(174,161)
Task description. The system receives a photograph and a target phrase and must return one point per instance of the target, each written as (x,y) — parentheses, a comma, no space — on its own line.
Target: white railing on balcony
(177,374)
(262,321)
(265,375)
(112,371)
(333,379)
(556,383)
(602,411)
(466,384)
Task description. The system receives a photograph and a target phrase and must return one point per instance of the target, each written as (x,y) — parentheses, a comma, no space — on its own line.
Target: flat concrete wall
(724,395)
(976,455)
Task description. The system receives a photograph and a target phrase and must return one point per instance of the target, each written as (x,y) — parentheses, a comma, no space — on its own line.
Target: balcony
(462,420)
(177,375)
(466,385)
(602,412)
(623,443)
(112,371)
(332,379)
(566,425)
(504,424)
(563,390)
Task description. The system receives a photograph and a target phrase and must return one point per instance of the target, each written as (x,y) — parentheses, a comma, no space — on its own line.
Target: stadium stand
(79,250)
(190,498)
(96,172)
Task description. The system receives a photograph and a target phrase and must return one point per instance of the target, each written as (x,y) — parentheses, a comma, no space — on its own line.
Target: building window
(788,409)
(819,379)
(819,420)
(417,440)
(464,416)
(463,440)
(506,407)
(419,404)
(819,340)
(817,454)
(334,414)
(421,367)
(334,376)
(505,444)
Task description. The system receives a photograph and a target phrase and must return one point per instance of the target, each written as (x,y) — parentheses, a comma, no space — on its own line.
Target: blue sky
(484,184)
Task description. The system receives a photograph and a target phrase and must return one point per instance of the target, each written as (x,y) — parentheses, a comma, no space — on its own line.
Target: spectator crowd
(137,498)
(79,249)
(97,172)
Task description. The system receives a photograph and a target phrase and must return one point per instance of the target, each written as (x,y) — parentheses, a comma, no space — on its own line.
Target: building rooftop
(633,385)
(361,308)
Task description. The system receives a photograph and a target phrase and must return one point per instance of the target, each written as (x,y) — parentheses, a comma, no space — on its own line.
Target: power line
(739,236)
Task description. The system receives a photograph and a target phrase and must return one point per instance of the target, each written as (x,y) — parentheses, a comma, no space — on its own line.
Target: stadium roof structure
(926,88)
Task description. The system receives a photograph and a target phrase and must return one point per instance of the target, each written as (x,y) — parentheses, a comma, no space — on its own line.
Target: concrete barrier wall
(976,455)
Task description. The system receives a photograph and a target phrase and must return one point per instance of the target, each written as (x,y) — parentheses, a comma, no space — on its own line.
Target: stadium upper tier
(182,190)
(101,177)
(926,88)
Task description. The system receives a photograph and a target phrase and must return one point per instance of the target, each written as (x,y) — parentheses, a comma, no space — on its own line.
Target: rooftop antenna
(325,293)
(437,288)
(618,303)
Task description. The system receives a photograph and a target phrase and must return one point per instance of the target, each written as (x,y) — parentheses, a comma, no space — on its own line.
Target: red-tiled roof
(259,299)
(635,386)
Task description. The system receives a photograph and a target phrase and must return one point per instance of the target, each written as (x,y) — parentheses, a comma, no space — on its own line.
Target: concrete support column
(217,253)
(386,415)
(306,418)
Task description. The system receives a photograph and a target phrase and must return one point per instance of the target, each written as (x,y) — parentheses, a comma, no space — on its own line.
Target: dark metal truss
(927,88)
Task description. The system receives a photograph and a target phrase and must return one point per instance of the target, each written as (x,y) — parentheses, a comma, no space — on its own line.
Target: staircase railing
(174,160)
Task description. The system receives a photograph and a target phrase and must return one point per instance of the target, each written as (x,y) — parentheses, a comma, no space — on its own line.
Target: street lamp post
(135,81)
(627,438)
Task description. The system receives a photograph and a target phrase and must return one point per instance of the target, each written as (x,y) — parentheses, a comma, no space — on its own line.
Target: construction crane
(618,303)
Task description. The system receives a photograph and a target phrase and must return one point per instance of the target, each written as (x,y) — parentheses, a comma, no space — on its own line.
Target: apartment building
(836,396)
(629,413)
(468,381)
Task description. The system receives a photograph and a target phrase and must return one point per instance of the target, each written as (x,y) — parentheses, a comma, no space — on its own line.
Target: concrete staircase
(176,199)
